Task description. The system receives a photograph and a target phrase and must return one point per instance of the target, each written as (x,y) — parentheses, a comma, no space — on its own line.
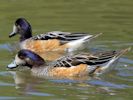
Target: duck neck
(25,35)
(42,71)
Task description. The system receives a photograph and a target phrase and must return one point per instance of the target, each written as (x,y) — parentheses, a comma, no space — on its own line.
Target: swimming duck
(67,66)
(50,41)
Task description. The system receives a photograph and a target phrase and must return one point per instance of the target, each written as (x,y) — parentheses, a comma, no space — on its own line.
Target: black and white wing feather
(63,36)
(89,59)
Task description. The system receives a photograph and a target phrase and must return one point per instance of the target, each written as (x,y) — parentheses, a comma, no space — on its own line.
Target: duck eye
(21,57)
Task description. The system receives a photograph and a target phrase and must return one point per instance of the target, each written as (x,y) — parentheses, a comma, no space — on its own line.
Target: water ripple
(108,84)
(6,84)
(39,94)
(10,98)
(126,60)
(9,47)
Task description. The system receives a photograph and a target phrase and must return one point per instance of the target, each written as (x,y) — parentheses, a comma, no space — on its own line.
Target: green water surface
(114,18)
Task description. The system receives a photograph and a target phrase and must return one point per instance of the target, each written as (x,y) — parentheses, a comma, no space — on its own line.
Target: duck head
(23,28)
(26,58)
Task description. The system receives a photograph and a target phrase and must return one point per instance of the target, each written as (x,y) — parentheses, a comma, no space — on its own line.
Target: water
(114,18)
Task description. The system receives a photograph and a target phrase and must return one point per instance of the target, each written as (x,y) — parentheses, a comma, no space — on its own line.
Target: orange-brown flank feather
(79,70)
(43,47)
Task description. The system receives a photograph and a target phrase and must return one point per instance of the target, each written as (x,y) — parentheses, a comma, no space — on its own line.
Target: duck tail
(116,56)
(123,51)
(92,37)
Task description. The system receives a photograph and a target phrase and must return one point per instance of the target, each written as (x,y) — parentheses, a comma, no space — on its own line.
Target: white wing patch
(77,43)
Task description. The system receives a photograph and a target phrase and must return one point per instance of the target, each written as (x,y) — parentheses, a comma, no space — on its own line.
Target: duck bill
(12,34)
(12,65)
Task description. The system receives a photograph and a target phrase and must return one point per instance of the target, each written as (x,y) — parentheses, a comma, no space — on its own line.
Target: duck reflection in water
(27,84)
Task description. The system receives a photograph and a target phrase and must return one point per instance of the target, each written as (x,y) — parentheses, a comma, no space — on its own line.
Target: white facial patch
(14,29)
(16,62)
(19,61)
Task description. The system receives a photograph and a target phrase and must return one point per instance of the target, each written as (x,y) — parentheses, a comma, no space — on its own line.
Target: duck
(49,41)
(78,65)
